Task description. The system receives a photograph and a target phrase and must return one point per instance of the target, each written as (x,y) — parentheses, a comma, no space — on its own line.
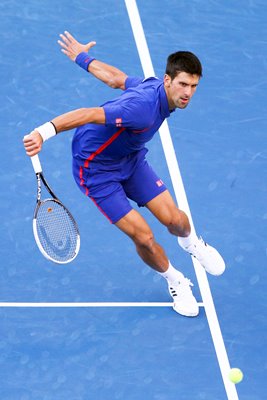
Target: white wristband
(47,131)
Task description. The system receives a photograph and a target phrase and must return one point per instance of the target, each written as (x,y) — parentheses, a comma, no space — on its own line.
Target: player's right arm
(108,74)
(34,141)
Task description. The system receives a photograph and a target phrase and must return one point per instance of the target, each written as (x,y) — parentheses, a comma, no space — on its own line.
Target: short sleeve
(132,113)
(133,81)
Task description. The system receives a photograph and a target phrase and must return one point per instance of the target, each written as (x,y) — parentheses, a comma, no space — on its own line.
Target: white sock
(185,242)
(172,275)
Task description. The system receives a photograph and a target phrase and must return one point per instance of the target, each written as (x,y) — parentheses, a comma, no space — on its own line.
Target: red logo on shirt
(118,122)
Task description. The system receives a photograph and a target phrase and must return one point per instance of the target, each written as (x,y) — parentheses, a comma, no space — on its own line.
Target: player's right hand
(33,143)
(71,47)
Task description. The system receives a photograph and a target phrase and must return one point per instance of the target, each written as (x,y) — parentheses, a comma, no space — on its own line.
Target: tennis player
(109,159)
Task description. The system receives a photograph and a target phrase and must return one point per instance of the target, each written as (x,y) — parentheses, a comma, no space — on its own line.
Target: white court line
(87,305)
(180,194)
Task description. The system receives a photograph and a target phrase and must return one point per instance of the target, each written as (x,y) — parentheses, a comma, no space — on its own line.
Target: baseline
(87,304)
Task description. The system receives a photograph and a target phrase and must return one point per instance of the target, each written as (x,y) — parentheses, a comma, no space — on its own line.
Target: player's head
(183,72)
(183,61)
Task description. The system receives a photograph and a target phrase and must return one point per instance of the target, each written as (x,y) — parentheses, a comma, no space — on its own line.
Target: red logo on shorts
(118,122)
(159,183)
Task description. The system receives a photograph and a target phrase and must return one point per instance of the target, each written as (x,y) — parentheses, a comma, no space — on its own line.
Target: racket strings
(57,231)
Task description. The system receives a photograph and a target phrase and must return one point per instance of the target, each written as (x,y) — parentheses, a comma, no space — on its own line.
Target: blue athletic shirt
(132,119)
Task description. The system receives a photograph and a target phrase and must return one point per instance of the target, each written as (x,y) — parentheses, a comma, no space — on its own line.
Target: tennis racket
(55,230)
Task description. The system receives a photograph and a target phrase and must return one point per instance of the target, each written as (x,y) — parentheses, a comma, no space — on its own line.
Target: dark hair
(183,61)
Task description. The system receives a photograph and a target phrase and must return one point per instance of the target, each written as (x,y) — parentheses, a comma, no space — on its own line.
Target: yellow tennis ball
(235,375)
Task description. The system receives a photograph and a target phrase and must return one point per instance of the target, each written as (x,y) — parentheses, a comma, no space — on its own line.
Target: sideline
(180,194)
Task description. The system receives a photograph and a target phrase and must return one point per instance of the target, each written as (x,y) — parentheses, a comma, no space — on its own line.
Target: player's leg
(147,189)
(135,226)
(176,221)
(165,210)
(111,200)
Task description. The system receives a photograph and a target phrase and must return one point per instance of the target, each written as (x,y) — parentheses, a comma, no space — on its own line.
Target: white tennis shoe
(184,302)
(208,256)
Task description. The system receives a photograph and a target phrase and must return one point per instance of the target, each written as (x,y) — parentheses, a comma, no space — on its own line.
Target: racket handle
(36,164)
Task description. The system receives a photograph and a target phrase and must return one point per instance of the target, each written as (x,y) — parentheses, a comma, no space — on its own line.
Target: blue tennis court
(98,346)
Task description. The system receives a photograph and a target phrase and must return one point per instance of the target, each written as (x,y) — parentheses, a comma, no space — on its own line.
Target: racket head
(55,231)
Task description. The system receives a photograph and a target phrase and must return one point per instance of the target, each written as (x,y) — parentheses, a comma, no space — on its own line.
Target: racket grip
(36,164)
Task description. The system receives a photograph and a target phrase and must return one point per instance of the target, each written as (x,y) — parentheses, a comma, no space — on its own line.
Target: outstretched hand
(71,47)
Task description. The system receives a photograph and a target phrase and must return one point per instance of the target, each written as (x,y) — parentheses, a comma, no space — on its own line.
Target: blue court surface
(134,353)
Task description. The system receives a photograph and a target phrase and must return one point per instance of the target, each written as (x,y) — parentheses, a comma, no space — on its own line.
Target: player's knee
(144,240)
(178,223)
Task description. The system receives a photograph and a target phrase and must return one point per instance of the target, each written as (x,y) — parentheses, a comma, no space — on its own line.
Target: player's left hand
(33,143)
(71,47)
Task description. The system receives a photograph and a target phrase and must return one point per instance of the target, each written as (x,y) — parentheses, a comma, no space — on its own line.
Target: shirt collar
(164,105)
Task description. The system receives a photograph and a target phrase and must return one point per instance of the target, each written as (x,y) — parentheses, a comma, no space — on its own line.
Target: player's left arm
(78,53)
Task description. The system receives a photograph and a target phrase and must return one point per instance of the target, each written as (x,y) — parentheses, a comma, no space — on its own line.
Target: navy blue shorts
(111,183)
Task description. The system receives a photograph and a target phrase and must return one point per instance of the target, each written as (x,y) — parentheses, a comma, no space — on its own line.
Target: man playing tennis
(109,163)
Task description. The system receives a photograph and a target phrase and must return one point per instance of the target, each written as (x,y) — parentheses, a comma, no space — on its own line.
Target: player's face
(181,89)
